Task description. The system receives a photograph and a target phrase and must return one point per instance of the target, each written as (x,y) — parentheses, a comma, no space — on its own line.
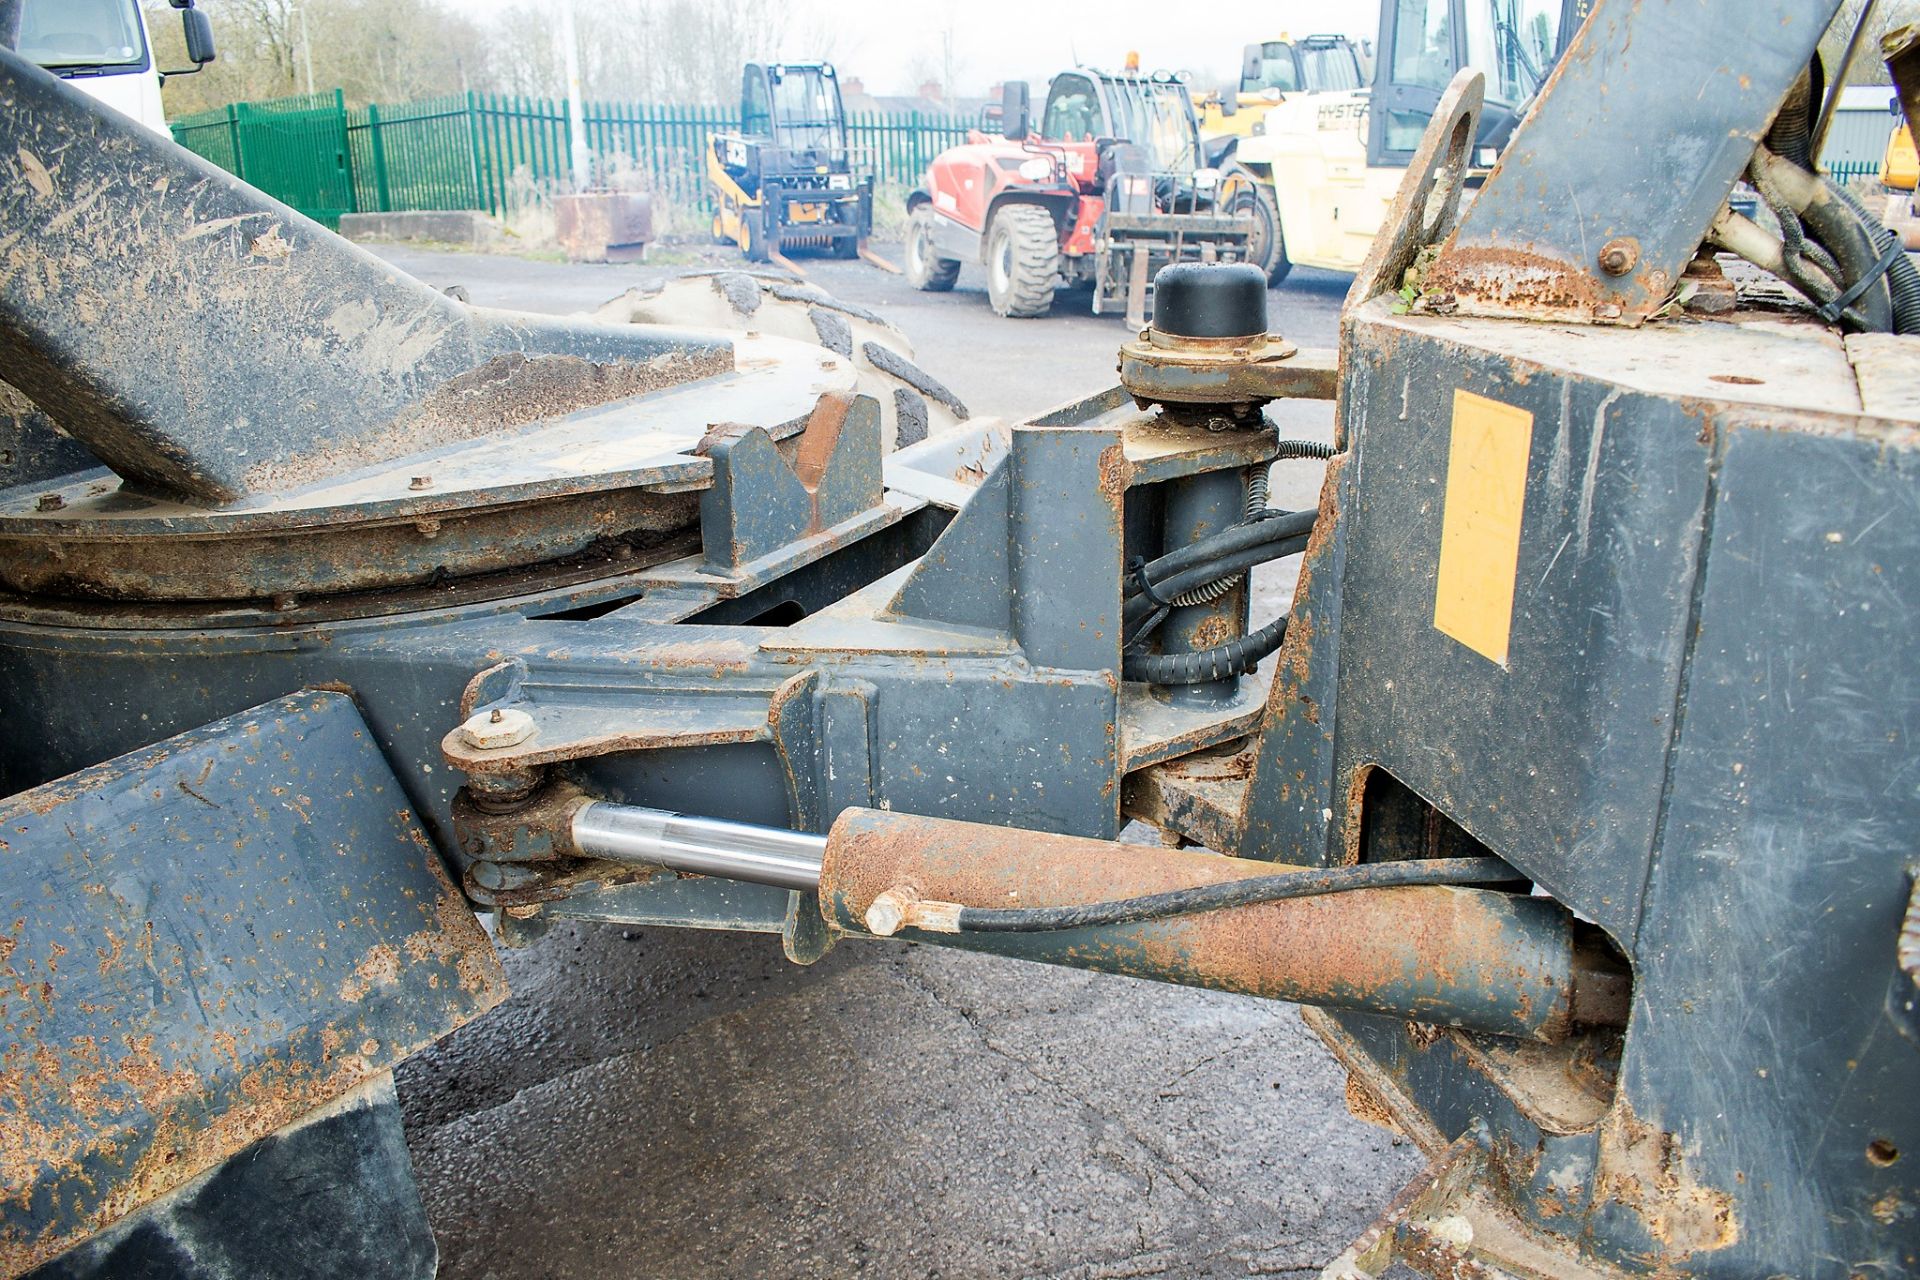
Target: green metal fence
(1849,170)
(499,153)
(292,148)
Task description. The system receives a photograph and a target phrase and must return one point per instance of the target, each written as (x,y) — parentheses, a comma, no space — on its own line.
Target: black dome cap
(1201,300)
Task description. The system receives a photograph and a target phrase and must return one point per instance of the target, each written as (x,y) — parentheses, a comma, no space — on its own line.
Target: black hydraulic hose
(1234,538)
(1791,134)
(1308,882)
(1235,657)
(1304,449)
(1140,604)
(1835,224)
(1903,278)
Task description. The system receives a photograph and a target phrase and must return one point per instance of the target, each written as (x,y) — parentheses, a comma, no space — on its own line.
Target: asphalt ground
(662,1103)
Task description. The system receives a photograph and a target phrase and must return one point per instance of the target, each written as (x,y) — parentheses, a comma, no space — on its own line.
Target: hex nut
(496,729)
(1620,255)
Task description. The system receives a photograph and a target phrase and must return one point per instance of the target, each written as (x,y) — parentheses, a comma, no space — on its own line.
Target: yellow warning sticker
(1480,524)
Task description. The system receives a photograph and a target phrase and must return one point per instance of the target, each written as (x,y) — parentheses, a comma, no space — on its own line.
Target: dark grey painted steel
(1788,833)
(693,902)
(1290,796)
(336,1187)
(965,578)
(1643,129)
(32,448)
(758,505)
(1066,548)
(1194,508)
(1693,742)
(1558,759)
(321,947)
(209,342)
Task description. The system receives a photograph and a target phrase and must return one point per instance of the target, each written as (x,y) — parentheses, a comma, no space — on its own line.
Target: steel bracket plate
(202,941)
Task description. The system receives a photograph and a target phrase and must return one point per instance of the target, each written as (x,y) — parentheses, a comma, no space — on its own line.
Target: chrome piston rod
(699,846)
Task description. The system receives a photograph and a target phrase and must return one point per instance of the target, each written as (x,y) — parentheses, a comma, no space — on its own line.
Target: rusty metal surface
(1428,201)
(1247,374)
(140,1046)
(1581,176)
(618,472)
(1200,797)
(1452,956)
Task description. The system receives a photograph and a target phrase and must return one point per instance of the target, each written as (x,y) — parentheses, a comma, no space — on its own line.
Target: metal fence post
(482,193)
(381,197)
(233,136)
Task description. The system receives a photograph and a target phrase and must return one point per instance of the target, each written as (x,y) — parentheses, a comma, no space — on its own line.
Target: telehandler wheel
(719,235)
(1023,261)
(1267,246)
(753,236)
(927,271)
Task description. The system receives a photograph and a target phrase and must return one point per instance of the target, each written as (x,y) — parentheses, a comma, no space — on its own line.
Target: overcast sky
(888,43)
(1035,38)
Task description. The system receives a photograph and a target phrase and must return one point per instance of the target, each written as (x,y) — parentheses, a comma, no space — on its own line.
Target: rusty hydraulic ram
(1472,958)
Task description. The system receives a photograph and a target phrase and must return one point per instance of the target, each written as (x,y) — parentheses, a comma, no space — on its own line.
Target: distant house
(931,100)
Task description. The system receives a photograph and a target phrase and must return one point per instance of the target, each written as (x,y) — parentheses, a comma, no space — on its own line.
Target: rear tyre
(927,271)
(1023,261)
(753,236)
(1266,247)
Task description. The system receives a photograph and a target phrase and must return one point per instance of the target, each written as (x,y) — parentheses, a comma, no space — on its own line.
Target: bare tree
(258,54)
(659,50)
(394,50)
(1868,68)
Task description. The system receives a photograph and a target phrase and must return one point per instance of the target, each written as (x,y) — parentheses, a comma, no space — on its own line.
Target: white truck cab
(101,47)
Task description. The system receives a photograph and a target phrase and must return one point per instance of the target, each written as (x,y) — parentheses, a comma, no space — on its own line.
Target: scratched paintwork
(1575,175)
(199,943)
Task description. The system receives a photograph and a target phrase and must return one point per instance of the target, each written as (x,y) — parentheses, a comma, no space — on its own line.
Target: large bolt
(496,729)
(1619,256)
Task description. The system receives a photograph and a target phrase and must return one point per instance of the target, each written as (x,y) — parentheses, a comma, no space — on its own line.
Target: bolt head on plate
(1619,256)
(496,729)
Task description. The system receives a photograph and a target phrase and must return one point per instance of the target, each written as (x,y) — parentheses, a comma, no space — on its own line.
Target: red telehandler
(1113,185)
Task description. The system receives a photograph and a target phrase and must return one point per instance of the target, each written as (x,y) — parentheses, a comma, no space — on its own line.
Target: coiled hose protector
(1257,489)
(1903,278)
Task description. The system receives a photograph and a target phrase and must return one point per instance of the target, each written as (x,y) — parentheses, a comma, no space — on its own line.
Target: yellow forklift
(787,178)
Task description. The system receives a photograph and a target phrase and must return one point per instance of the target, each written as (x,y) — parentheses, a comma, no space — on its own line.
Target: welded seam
(1690,642)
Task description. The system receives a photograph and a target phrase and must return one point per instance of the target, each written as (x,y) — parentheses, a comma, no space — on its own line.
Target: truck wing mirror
(1230,100)
(199,34)
(1016,110)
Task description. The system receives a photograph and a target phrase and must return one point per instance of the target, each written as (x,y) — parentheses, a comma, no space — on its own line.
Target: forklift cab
(1316,64)
(794,108)
(1424,42)
(787,177)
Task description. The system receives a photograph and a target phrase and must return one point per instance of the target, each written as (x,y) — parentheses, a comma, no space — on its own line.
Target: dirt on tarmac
(660,1103)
